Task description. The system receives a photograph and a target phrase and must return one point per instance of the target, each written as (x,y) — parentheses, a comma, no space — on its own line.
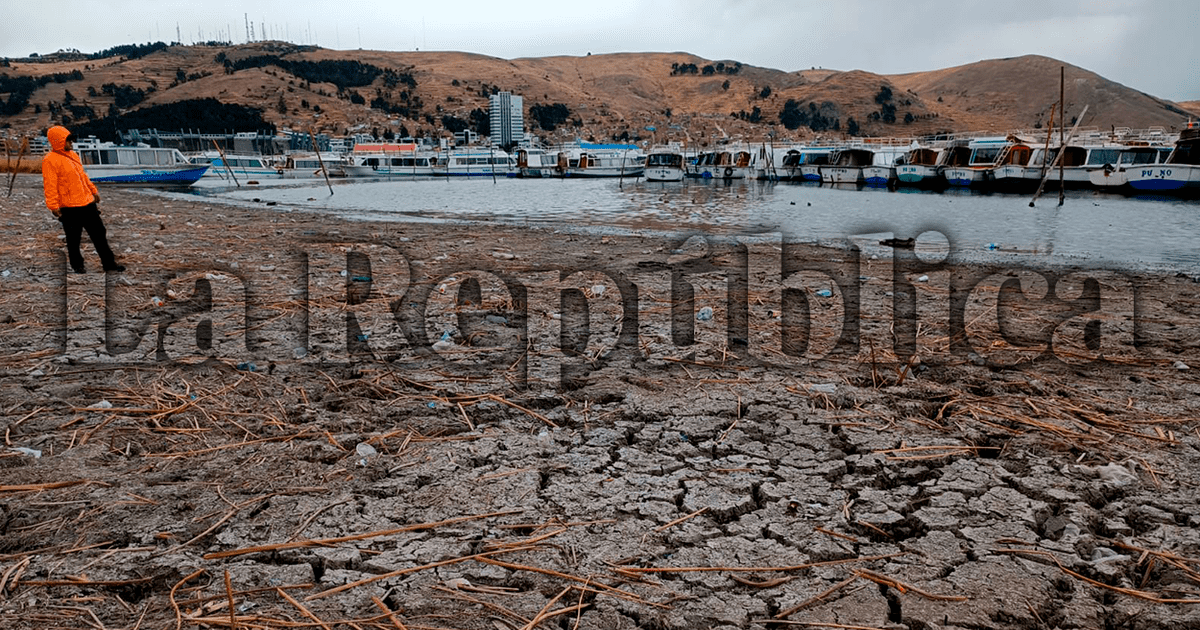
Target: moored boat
(918,167)
(1115,177)
(969,163)
(727,162)
(846,166)
(475,162)
(664,165)
(1181,171)
(389,160)
(137,165)
(236,167)
(792,166)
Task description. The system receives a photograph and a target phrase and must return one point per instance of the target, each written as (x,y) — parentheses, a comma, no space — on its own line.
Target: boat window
(1138,156)
(88,157)
(1185,153)
(1103,156)
(1074,156)
(985,156)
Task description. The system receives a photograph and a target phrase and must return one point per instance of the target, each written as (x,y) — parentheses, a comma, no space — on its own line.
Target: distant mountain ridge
(612,96)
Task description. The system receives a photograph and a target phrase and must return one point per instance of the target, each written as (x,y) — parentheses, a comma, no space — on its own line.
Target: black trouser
(74,222)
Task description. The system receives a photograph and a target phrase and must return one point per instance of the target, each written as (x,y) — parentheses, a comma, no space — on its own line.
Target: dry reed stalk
(399,572)
(304,611)
(1124,591)
(171,597)
(783,614)
(796,567)
(387,611)
(879,578)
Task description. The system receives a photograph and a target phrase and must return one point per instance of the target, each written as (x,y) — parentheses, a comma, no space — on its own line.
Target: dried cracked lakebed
(530,427)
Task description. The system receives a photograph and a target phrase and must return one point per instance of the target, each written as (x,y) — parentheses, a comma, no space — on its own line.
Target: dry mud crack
(656,484)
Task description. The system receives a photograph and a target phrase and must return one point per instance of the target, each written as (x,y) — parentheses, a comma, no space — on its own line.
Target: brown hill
(614,95)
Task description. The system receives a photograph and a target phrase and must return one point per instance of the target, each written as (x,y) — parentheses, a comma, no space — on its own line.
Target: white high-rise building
(507,118)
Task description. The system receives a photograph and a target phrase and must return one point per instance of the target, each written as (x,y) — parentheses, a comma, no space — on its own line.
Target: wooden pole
(1062,120)
(1058,157)
(225,161)
(20,154)
(320,161)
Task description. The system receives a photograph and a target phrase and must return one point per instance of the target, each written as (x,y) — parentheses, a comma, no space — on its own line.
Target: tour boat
(792,165)
(389,160)
(602,160)
(918,167)
(136,165)
(1180,173)
(475,162)
(1112,177)
(236,167)
(846,166)
(969,163)
(664,165)
(727,162)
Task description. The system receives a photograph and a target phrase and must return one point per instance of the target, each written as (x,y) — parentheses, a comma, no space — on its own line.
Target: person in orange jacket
(73,200)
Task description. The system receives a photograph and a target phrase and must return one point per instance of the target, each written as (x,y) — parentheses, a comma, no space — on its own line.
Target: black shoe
(115,267)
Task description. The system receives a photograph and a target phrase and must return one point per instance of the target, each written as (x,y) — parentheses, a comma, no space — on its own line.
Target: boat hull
(917,175)
(964,177)
(878,175)
(1166,178)
(663,174)
(168,176)
(842,174)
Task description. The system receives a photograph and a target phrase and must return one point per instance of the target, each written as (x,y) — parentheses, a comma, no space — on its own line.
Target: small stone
(1180,365)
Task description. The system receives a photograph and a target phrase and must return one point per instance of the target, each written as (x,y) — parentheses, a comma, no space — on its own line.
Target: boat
(728,162)
(1012,171)
(969,163)
(664,165)
(882,170)
(535,162)
(1077,163)
(475,162)
(602,160)
(388,160)
(314,166)
(136,165)
(236,167)
(918,167)
(1115,177)
(791,168)
(846,166)
(1181,171)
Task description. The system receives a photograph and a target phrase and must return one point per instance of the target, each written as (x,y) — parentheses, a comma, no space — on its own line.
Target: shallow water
(1090,228)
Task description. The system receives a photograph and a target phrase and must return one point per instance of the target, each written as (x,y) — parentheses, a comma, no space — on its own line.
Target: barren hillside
(608,96)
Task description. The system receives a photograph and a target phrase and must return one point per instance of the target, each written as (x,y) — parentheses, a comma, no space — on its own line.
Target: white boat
(236,167)
(729,162)
(664,165)
(918,167)
(846,166)
(791,166)
(1077,163)
(969,163)
(1179,174)
(603,160)
(536,162)
(1012,171)
(475,162)
(137,165)
(389,160)
(882,170)
(1112,177)
(312,166)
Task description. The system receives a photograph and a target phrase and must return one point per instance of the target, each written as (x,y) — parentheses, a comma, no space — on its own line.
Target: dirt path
(536,427)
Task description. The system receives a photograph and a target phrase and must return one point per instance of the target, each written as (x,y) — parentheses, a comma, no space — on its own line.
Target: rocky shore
(281,419)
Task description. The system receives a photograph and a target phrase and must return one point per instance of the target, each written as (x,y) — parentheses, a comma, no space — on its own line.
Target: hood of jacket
(57,136)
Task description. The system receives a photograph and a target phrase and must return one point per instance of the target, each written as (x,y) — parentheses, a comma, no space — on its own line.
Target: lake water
(1090,228)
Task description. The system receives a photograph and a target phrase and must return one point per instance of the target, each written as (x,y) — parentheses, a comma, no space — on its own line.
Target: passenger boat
(918,167)
(1114,177)
(389,160)
(791,168)
(664,165)
(137,165)
(235,166)
(969,163)
(310,165)
(727,162)
(535,162)
(846,166)
(475,162)
(603,160)
(1181,171)
(882,170)
(1012,171)
(1078,162)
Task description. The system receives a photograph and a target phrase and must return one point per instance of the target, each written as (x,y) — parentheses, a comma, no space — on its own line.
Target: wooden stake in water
(1062,117)
(320,161)
(1058,159)
(225,161)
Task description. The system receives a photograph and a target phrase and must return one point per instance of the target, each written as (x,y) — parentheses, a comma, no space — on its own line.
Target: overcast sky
(1148,45)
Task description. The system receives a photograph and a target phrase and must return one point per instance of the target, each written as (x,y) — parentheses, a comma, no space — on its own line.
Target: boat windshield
(1103,156)
(664,159)
(1139,156)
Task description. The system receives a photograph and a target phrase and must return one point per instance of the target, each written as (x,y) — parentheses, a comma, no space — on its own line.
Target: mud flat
(546,428)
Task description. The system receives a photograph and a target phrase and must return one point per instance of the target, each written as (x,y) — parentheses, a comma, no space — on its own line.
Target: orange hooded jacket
(63,178)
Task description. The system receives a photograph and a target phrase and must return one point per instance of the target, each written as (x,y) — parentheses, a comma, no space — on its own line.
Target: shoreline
(1045,471)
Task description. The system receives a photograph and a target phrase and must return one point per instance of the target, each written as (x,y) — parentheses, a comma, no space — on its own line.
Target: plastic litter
(824,293)
(923,279)
(365,451)
(1180,365)
(823,388)
(103,404)
(156,301)
(992,246)
(36,454)
(247,366)
(597,290)
(705,314)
